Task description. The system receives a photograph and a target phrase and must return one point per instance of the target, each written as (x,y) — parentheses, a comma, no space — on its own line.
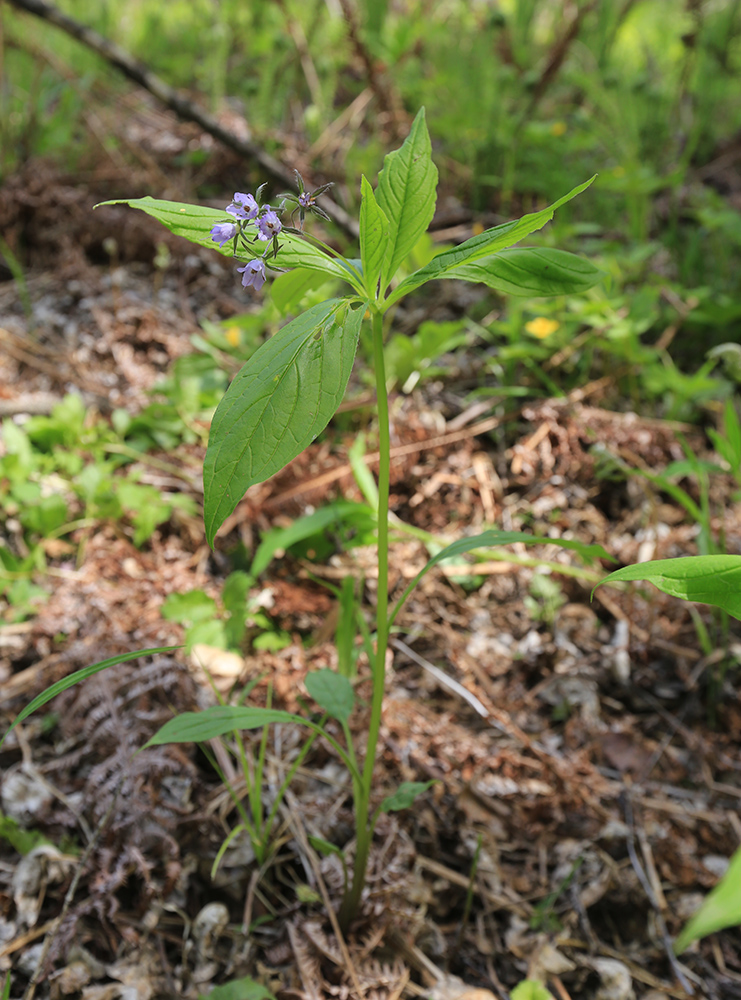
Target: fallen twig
(176,100)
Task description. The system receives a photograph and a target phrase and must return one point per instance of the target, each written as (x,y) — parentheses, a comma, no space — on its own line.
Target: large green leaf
(494,536)
(531,271)
(277,404)
(287,289)
(406,194)
(708,579)
(194,223)
(721,909)
(374,238)
(484,245)
(81,675)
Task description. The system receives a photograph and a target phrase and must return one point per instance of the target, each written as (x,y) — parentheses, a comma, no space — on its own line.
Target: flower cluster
(305,201)
(253,223)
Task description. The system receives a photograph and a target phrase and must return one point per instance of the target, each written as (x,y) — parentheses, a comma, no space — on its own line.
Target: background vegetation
(524,99)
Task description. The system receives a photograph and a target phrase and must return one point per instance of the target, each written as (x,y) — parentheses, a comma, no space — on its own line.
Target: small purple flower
(269,225)
(243,206)
(223,232)
(253,274)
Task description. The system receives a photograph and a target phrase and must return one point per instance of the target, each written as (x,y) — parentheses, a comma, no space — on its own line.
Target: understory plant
(288,390)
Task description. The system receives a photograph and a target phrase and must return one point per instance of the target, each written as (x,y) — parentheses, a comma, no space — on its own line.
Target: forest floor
(586,753)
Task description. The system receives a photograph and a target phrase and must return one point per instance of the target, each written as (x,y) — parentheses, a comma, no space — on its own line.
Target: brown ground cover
(587,760)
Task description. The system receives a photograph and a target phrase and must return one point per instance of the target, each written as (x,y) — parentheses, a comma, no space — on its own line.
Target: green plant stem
(364,829)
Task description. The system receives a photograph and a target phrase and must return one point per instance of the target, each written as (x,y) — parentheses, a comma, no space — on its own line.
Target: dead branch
(175,100)
(558,55)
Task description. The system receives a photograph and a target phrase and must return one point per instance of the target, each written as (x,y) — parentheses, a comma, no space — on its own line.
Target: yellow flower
(558,128)
(233,336)
(542,327)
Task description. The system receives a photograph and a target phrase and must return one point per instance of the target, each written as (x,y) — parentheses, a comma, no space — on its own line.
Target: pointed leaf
(406,194)
(732,426)
(496,537)
(197,727)
(484,245)
(531,271)
(405,795)
(325,847)
(721,909)
(277,404)
(332,692)
(341,511)
(81,675)
(374,238)
(712,580)
(194,223)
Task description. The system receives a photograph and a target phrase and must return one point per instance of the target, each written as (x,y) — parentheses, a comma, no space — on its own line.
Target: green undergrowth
(64,473)
(643,94)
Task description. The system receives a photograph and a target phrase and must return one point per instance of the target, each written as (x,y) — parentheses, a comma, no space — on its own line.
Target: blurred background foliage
(524,99)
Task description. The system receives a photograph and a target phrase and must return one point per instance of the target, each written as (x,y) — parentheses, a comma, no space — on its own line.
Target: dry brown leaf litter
(592,737)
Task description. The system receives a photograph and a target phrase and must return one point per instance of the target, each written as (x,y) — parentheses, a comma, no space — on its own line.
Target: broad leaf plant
(287,392)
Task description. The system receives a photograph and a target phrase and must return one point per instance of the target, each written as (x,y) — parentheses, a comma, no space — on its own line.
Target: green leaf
(406,194)
(405,795)
(530,989)
(721,909)
(730,355)
(374,238)
(192,606)
(277,404)
(209,633)
(197,727)
(712,579)
(332,692)
(194,223)
(81,675)
(531,271)
(272,641)
(239,989)
(22,840)
(341,511)
(732,426)
(484,245)
(45,516)
(288,289)
(496,537)
(325,847)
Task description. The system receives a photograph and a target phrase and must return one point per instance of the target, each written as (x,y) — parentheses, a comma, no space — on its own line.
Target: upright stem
(363,829)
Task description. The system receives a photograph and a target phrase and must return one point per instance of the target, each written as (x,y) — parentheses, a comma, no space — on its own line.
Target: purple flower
(253,273)
(243,206)
(269,225)
(223,232)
